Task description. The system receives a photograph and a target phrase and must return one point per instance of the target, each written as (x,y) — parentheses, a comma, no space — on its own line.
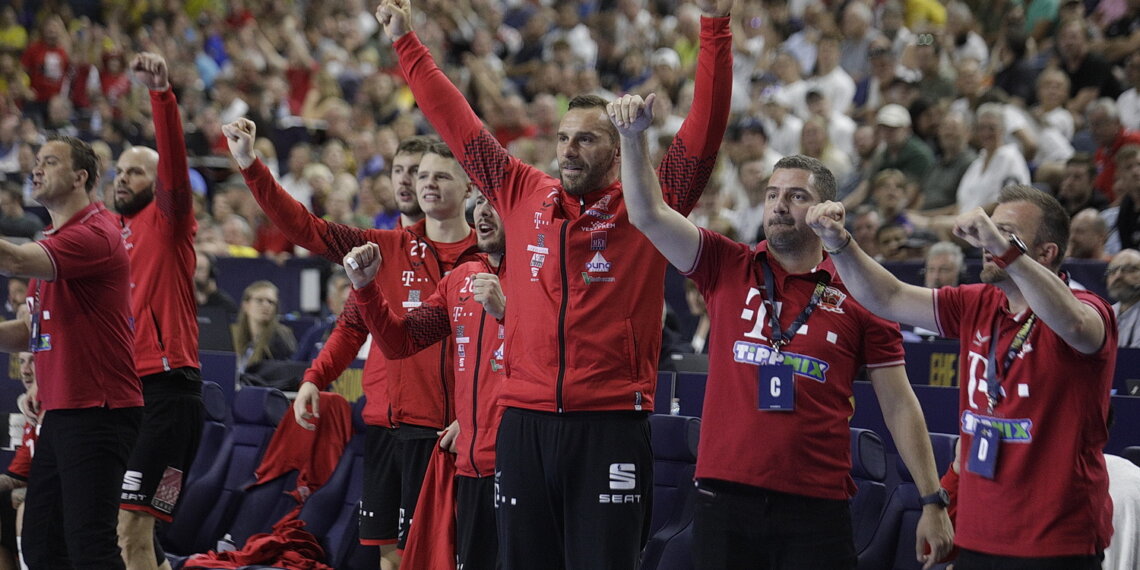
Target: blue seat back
(869,470)
(209,505)
(675,440)
(214,430)
(331,513)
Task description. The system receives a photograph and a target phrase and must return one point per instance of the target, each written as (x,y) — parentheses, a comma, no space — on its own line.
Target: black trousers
(973,560)
(573,490)
(72,508)
(476,535)
(740,526)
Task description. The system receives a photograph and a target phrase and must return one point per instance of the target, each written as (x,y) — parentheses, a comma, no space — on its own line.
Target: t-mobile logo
(623,476)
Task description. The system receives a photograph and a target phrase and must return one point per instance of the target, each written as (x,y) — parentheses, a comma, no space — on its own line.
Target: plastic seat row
(219,502)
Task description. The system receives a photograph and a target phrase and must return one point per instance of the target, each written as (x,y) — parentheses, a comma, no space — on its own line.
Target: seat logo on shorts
(132,481)
(623,476)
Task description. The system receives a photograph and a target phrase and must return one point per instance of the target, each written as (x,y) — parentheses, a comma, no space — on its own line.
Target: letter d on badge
(777,388)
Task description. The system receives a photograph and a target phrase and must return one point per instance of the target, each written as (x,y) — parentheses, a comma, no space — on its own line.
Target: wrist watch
(1016,249)
(940,498)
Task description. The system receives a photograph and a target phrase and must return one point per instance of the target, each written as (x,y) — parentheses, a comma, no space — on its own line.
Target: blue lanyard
(781,338)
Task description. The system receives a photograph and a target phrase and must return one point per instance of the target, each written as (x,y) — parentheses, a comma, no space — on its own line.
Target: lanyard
(781,338)
(993,382)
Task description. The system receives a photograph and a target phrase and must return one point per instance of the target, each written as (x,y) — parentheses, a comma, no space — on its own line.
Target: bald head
(135,173)
(1087,233)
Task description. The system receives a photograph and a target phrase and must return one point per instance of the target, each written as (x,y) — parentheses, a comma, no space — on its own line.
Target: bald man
(1123,280)
(154,201)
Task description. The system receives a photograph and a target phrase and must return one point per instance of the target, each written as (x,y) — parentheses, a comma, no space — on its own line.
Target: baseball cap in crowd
(893,115)
(666,56)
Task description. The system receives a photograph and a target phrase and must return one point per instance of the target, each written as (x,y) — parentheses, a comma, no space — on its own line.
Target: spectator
(1123,280)
(781,125)
(257,334)
(47,63)
(815,142)
(945,264)
(1072,334)
(336,294)
(871,91)
(206,288)
(891,241)
(1124,218)
(747,215)
(1087,234)
(934,84)
(1110,136)
(902,149)
(997,166)
(14,483)
(294,182)
(1090,76)
(960,41)
(1053,120)
(865,224)
(17,294)
(939,191)
(1129,102)
(840,127)
(14,221)
(1121,39)
(831,80)
(858,32)
(1076,191)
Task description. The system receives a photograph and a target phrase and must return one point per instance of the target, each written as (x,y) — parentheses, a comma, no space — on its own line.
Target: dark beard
(135,204)
(993,274)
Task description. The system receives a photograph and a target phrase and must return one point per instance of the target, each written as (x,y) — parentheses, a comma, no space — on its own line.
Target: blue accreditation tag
(984,451)
(777,388)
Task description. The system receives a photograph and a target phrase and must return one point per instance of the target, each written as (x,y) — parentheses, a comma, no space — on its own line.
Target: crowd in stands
(922,109)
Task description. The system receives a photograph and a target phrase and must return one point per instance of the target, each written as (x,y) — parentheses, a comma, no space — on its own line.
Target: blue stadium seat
(214,430)
(675,441)
(331,513)
(892,546)
(869,470)
(208,506)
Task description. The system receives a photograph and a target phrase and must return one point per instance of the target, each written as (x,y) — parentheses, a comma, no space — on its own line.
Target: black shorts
(168,441)
(573,490)
(741,526)
(476,536)
(395,461)
(973,560)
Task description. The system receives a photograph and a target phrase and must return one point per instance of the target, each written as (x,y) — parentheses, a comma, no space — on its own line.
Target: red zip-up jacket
(586,287)
(160,243)
(417,390)
(476,349)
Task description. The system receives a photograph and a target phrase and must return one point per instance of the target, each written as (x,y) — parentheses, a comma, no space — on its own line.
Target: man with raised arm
(1037,362)
(785,347)
(409,400)
(573,459)
(155,206)
(468,307)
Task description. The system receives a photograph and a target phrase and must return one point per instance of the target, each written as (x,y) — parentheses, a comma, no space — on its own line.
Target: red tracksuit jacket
(476,346)
(585,286)
(415,390)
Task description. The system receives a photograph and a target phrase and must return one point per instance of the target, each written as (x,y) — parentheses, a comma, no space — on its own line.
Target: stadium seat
(869,470)
(675,441)
(214,430)
(1132,453)
(892,546)
(208,506)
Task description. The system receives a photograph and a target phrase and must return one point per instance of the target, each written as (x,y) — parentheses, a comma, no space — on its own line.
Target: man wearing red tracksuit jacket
(467,306)
(418,389)
(573,459)
(155,205)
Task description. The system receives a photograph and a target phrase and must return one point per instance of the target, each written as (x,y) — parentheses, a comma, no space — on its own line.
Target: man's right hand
(307,406)
(826,219)
(395,16)
(362,263)
(240,135)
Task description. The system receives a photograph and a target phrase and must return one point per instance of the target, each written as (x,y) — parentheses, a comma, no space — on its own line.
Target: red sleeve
(79,251)
(340,349)
(21,463)
(172,193)
(329,240)
(949,303)
(688,163)
(488,164)
(400,337)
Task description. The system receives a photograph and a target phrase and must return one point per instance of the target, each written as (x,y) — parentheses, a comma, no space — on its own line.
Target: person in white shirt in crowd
(997,166)
(1129,102)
